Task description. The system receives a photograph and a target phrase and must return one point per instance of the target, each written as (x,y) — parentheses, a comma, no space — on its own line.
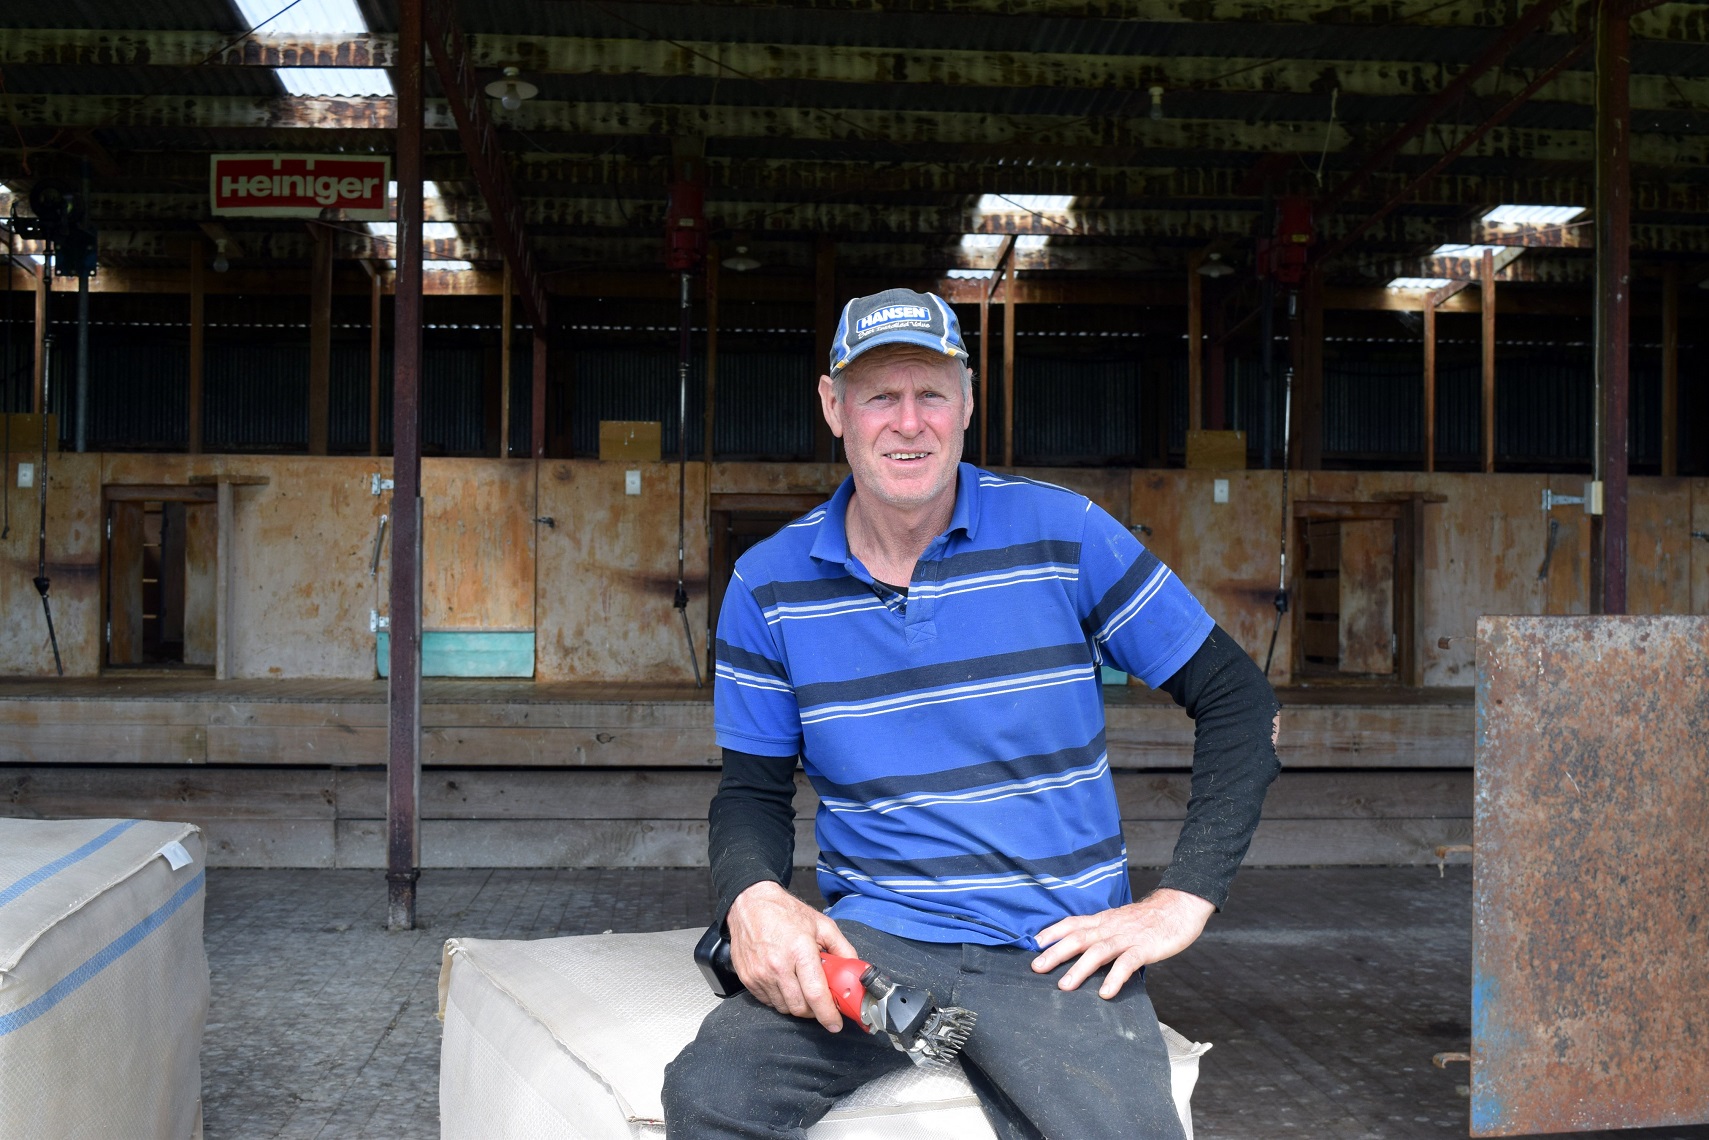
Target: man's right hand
(775,940)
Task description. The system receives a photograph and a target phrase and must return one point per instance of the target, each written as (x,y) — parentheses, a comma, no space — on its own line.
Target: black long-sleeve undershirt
(752,834)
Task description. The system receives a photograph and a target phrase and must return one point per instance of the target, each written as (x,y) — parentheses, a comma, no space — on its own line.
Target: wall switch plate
(26,474)
(1219,491)
(631,482)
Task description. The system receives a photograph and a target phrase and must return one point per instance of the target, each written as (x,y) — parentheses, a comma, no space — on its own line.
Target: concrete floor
(1324,991)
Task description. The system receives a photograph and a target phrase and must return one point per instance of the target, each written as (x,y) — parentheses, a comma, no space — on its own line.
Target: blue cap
(895,316)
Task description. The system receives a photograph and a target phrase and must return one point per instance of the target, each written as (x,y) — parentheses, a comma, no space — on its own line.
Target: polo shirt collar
(831,544)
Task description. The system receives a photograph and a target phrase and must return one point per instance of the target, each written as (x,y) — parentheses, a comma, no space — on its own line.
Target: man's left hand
(1158,926)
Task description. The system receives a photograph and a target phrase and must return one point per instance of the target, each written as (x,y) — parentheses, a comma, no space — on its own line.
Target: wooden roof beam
(853,64)
(911,135)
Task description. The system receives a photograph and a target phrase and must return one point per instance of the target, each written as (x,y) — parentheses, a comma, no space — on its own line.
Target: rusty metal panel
(1590,1001)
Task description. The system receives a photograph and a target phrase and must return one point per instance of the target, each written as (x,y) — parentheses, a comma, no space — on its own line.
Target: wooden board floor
(1324,994)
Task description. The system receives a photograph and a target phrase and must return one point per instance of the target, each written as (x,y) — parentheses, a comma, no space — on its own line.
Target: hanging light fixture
(741,261)
(221,261)
(1156,102)
(511,91)
(1214,267)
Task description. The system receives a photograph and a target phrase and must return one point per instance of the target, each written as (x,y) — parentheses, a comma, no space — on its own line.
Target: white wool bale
(103,980)
(568,1039)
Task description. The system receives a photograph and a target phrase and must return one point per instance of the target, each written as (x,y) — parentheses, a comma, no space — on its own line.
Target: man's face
(901,419)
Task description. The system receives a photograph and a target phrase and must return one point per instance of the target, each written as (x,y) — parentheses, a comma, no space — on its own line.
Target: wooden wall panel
(1658,546)
(1366,641)
(124,584)
(300,590)
(75,524)
(478,544)
(608,572)
(1565,576)
(1226,553)
(1699,546)
(201,570)
(1482,548)
(301,545)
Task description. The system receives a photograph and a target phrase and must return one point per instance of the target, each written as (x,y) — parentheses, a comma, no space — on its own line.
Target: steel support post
(373,268)
(403,757)
(1613,213)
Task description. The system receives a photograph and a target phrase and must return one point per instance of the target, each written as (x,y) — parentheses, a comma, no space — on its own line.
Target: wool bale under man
(928,645)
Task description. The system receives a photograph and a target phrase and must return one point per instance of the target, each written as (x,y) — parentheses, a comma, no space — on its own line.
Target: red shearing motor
(685,218)
(912,1018)
(1285,255)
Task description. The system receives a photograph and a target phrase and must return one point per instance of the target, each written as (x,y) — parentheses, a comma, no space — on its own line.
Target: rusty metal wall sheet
(1590,996)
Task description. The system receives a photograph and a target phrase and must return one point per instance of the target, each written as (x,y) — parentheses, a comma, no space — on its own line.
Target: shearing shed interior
(391,387)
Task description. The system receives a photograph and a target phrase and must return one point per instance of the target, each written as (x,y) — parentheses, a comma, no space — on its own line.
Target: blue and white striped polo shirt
(955,736)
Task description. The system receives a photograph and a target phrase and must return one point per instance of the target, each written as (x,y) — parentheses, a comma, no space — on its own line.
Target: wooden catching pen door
(1354,590)
(162,575)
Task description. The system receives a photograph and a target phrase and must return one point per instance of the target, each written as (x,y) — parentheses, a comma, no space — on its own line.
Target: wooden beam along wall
(814,176)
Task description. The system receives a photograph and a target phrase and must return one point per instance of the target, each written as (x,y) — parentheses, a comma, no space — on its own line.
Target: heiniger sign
(299,185)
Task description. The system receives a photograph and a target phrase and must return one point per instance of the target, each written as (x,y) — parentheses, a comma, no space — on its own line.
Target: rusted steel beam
(468,102)
(1613,295)
(403,753)
(1451,93)
(1589,997)
(1476,137)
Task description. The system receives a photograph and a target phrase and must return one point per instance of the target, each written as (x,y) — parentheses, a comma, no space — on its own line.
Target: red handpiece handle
(843,976)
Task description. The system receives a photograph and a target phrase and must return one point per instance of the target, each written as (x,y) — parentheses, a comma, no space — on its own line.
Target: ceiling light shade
(1156,102)
(221,261)
(741,261)
(511,91)
(1214,267)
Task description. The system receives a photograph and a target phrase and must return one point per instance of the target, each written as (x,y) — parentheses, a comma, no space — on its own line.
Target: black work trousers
(1065,1066)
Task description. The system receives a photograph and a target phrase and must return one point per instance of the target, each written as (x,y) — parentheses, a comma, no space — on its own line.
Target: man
(928,644)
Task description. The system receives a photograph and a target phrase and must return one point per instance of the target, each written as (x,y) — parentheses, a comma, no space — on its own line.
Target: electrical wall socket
(26,474)
(632,482)
(1219,491)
